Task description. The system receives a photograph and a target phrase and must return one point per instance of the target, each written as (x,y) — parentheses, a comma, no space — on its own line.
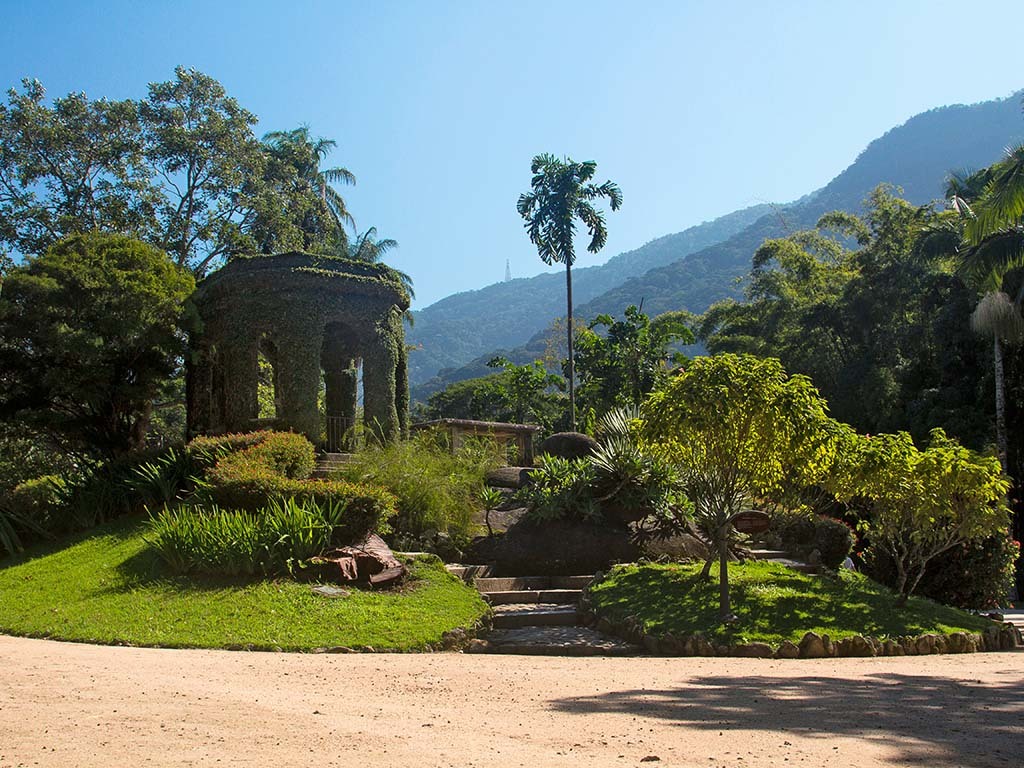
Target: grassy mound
(108,587)
(774,603)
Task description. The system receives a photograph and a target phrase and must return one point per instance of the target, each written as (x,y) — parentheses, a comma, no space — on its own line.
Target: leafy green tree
(89,331)
(739,427)
(74,167)
(298,149)
(519,393)
(527,390)
(872,314)
(209,169)
(630,359)
(562,193)
(181,170)
(922,503)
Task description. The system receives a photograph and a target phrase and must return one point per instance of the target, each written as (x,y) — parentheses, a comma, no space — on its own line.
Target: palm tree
(562,192)
(305,154)
(991,207)
(367,247)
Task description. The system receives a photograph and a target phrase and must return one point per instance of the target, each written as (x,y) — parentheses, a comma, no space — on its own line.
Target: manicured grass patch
(774,603)
(107,587)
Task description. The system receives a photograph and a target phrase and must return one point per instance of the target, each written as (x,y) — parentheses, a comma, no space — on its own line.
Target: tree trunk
(724,608)
(572,362)
(1001,447)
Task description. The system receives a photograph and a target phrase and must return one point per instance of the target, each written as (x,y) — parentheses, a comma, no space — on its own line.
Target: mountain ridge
(915,156)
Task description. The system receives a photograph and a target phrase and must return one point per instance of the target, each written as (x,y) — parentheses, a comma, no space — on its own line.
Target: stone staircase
(538,615)
(329,463)
(784,558)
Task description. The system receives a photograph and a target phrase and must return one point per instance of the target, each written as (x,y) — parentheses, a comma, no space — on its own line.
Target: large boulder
(682,547)
(509,477)
(561,548)
(569,445)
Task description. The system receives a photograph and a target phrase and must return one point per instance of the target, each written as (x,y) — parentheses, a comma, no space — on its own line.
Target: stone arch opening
(268,386)
(340,360)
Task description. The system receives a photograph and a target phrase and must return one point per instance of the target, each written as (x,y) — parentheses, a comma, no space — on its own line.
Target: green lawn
(106,587)
(774,603)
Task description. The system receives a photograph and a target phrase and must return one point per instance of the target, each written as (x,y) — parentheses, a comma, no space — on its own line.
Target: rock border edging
(998,637)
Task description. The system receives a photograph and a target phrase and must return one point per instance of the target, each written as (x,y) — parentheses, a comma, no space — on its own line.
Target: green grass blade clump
(242,543)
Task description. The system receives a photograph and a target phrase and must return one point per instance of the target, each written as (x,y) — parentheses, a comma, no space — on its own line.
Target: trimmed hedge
(257,468)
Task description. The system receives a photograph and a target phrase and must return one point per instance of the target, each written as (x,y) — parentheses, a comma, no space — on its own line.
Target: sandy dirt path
(80,705)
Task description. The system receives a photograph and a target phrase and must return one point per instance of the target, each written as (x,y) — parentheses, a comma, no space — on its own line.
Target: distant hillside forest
(691,270)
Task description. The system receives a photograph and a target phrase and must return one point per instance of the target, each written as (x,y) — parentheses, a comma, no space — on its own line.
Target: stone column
(198,388)
(237,353)
(380,362)
(402,390)
(298,376)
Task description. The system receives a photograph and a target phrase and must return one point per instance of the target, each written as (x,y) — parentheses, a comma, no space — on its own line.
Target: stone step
(561,596)
(515,583)
(341,458)
(768,554)
(323,473)
(554,641)
(518,615)
(796,565)
(470,572)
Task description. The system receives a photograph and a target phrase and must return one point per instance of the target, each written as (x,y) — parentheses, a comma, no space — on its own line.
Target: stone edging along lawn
(998,637)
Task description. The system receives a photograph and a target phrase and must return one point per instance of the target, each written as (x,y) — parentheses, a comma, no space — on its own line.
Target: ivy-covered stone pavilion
(314,319)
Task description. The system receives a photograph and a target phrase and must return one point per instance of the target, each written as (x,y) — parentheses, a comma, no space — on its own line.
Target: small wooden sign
(751,521)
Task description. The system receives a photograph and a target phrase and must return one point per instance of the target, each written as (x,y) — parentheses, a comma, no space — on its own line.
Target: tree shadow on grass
(146,569)
(778,602)
(926,720)
(119,530)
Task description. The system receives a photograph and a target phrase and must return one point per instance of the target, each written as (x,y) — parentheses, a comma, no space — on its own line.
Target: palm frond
(997,315)
(1001,205)
(986,264)
(339,175)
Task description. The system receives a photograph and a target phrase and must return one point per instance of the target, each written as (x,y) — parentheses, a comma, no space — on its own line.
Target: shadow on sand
(926,720)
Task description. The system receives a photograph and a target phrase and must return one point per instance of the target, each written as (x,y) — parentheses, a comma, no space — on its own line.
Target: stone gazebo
(314,319)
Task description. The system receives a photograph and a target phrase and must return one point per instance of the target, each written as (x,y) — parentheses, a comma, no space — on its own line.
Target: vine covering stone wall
(319,314)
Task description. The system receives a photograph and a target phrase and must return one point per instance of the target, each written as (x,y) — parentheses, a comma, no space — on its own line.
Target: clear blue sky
(694,108)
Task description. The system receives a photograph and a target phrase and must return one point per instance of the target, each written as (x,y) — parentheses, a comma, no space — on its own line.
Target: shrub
(436,490)
(834,541)
(40,502)
(976,574)
(619,481)
(923,503)
(268,541)
(795,531)
(560,489)
(254,470)
(29,511)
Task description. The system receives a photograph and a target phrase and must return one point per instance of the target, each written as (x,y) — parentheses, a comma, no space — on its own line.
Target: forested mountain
(460,327)
(915,156)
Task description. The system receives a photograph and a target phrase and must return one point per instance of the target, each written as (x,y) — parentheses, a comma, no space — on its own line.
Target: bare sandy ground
(80,705)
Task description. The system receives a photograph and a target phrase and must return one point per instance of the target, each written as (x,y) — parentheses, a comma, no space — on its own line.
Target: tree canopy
(180,169)
(89,332)
(739,427)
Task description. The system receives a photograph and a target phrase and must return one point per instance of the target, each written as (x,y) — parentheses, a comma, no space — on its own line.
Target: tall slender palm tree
(562,193)
(306,154)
